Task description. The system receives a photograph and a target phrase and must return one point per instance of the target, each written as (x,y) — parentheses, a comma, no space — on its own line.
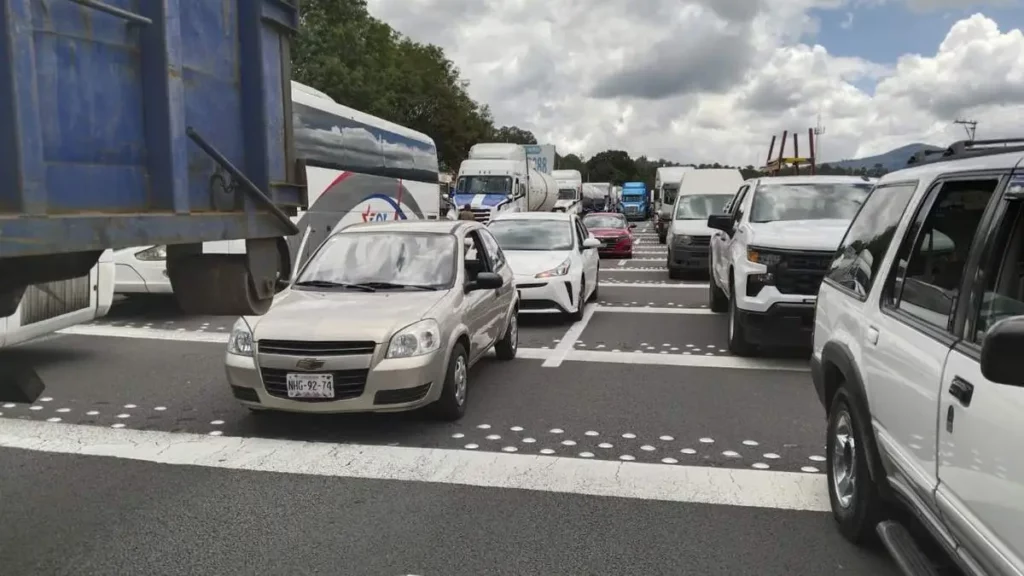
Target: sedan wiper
(396,285)
(332,284)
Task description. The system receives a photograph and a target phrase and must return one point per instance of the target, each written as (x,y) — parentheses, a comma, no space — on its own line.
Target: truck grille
(700,241)
(348,384)
(483,216)
(801,272)
(307,348)
(52,299)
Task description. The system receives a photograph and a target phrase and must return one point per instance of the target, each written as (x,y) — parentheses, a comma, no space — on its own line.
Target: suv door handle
(872,335)
(962,390)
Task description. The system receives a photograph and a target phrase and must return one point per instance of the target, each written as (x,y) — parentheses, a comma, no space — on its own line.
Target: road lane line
(654,310)
(644,269)
(640,481)
(683,360)
(703,286)
(569,339)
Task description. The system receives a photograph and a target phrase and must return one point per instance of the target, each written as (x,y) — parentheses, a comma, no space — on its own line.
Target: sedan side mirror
(632,225)
(721,222)
(1000,360)
(591,243)
(485,281)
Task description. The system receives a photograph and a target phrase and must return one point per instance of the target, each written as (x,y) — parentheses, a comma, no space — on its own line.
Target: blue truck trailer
(635,203)
(149,122)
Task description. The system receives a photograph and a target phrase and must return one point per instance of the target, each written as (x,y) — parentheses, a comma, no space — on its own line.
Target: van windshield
(700,206)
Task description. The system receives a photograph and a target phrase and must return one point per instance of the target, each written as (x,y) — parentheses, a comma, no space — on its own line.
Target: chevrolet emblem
(309,364)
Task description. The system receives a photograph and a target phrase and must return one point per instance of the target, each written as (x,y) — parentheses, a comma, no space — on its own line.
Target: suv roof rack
(967,149)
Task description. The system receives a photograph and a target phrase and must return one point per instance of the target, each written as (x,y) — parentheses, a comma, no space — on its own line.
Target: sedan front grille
(315,348)
(348,384)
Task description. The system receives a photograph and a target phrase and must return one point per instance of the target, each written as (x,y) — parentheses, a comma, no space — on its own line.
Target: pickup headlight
(417,339)
(156,253)
(758,256)
(240,341)
(561,270)
(684,240)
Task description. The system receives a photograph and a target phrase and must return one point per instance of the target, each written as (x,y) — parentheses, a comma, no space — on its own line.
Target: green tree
(573,162)
(613,166)
(515,135)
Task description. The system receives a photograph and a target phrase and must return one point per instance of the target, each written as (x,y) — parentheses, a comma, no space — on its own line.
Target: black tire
(597,284)
(449,407)
(864,509)
(507,347)
(738,343)
(662,239)
(717,300)
(578,314)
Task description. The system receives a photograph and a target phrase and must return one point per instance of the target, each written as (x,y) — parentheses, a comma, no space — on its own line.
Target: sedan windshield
(383,260)
(526,234)
(604,221)
(775,202)
(700,206)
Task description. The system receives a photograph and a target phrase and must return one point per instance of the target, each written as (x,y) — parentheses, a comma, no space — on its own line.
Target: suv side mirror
(1000,360)
(485,281)
(721,222)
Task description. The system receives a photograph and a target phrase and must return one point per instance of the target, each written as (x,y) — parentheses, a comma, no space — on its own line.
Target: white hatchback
(554,259)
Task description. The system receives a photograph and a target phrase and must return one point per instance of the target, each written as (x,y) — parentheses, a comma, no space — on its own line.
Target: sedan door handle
(962,390)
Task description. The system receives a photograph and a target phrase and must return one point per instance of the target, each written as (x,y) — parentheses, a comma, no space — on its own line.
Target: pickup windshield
(811,201)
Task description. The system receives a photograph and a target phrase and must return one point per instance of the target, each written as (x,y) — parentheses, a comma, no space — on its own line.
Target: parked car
(770,252)
(614,232)
(917,361)
(383,317)
(554,259)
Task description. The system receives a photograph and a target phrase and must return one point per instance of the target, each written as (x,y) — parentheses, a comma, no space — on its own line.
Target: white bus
(53,306)
(359,168)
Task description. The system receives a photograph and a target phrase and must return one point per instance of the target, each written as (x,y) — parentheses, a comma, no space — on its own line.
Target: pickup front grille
(801,272)
(315,348)
(348,384)
(700,240)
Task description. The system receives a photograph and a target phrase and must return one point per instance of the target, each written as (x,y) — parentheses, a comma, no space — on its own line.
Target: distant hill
(891,160)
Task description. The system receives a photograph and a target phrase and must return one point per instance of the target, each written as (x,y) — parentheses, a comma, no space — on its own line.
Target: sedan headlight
(240,342)
(417,339)
(561,270)
(153,254)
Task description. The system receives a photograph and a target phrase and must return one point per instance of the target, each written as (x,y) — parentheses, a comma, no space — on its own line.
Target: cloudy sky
(712,80)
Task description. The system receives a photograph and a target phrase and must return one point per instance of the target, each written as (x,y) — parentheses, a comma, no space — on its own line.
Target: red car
(614,232)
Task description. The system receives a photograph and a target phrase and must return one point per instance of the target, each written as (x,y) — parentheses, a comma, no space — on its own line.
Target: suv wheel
(856,505)
(507,347)
(717,300)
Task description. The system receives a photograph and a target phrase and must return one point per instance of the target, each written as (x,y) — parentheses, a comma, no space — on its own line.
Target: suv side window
(493,250)
(929,267)
(1002,271)
(867,240)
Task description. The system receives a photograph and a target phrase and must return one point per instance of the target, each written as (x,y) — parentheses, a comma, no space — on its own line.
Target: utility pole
(819,130)
(970,126)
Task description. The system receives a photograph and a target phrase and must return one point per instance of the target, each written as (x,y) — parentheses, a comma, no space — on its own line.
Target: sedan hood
(799,234)
(342,315)
(530,262)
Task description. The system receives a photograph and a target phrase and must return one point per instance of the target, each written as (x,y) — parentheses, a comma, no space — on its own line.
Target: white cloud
(712,80)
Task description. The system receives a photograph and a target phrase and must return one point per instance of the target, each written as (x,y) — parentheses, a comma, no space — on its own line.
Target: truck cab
(570,190)
(634,201)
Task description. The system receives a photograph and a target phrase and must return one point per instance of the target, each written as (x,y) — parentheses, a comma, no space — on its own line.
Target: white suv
(918,359)
(771,251)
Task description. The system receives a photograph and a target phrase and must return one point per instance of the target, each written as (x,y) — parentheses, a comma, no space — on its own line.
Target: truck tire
(738,343)
(856,504)
(717,300)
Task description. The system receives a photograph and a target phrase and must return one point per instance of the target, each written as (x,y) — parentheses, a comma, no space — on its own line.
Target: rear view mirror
(1000,352)
(721,222)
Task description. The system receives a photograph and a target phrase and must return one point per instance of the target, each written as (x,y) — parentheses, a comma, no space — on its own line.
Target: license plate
(310,385)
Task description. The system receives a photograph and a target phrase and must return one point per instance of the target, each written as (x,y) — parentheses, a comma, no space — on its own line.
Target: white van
(702,192)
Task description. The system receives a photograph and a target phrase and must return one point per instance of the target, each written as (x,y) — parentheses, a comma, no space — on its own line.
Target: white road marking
(703,286)
(552,358)
(651,310)
(648,269)
(569,339)
(622,262)
(705,485)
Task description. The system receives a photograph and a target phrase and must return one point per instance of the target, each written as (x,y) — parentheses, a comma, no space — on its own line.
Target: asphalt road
(555,469)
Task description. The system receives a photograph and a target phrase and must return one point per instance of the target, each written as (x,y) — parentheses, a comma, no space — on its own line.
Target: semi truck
(635,204)
(497,178)
(570,190)
(596,196)
(119,129)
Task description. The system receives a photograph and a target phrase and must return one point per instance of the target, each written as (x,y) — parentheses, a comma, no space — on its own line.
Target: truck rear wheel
(216,285)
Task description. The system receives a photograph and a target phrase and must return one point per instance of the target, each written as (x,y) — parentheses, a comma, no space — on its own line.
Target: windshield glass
(700,206)
(566,193)
(418,259)
(532,234)
(668,193)
(774,202)
(604,221)
(484,185)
